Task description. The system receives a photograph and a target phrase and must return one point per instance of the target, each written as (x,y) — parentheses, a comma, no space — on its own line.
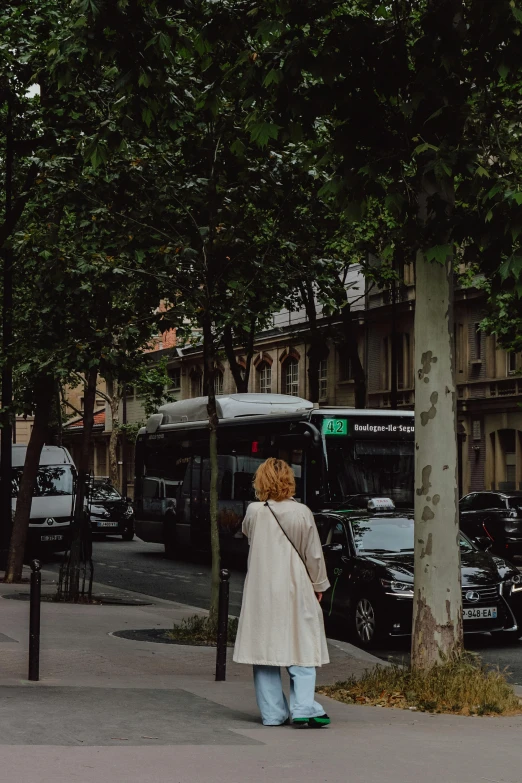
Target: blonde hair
(274,480)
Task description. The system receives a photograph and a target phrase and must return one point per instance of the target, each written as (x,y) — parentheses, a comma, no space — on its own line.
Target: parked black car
(493,520)
(369,559)
(110,512)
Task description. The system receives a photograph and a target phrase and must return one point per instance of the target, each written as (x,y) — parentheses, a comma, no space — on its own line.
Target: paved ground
(140,567)
(122,711)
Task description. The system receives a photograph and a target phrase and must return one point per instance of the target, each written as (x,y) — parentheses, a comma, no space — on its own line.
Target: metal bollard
(34,621)
(222,634)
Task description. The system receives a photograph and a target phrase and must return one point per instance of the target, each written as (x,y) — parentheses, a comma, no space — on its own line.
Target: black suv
(369,560)
(493,520)
(110,513)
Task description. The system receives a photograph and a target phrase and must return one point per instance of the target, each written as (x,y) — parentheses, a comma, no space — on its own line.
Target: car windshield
(51,480)
(383,469)
(105,493)
(390,534)
(383,535)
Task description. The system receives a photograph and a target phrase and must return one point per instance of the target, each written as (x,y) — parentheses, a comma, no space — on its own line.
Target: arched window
(218,382)
(196,382)
(291,376)
(264,378)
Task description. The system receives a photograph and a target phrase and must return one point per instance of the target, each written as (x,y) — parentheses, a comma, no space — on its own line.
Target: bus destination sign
(371,427)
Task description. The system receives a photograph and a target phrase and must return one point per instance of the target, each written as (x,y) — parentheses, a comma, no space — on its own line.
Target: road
(140,567)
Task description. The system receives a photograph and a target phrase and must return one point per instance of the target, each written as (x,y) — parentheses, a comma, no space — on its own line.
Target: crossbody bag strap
(287,537)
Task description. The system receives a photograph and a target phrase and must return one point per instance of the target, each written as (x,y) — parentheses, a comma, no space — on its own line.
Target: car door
(339,565)
(471,509)
(493,516)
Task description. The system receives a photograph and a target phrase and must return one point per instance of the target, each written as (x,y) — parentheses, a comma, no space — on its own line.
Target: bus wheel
(169,537)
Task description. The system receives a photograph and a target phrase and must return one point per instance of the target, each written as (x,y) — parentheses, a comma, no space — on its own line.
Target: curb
(357,653)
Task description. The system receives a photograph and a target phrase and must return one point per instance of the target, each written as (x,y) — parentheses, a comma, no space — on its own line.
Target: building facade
(489,379)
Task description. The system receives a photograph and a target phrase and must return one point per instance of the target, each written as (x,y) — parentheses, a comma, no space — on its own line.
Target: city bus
(341,457)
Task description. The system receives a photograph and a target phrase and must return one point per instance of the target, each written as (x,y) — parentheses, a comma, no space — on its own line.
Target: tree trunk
(394,352)
(437,607)
(318,347)
(213,421)
(114,394)
(81,543)
(250,348)
(44,391)
(240,380)
(351,352)
(317,351)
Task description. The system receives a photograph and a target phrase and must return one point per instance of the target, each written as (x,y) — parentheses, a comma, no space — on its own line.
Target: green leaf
(261,132)
(439,253)
(425,147)
(481,172)
(503,70)
(273,77)
(237,147)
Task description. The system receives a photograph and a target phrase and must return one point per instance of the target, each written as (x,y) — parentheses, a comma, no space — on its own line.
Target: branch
(18,207)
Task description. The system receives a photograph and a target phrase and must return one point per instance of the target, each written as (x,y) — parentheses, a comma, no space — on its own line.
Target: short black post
(34,621)
(222,633)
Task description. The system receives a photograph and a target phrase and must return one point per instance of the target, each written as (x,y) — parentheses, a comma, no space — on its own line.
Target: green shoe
(317,723)
(300,721)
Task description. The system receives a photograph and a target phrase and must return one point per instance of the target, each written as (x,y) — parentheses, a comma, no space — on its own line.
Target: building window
(174,374)
(264,378)
(345,364)
(218,382)
(511,363)
(476,429)
(407,361)
(196,383)
(323,379)
(459,347)
(478,343)
(386,363)
(291,377)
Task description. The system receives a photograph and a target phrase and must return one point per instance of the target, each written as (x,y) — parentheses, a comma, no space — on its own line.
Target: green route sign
(335,426)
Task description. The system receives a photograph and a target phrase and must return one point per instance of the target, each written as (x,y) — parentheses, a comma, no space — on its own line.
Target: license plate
(107,524)
(480,613)
(51,538)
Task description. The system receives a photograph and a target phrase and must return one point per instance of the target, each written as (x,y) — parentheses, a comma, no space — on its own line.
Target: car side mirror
(332,548)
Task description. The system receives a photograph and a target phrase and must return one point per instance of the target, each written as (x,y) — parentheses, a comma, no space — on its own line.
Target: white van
(53,498)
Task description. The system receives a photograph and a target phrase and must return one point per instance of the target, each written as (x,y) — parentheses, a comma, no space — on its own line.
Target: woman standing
(281,622)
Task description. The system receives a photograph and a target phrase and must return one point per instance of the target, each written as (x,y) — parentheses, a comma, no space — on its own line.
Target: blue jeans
(271,700)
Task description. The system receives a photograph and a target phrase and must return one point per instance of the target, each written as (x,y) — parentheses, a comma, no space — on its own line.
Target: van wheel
(169,537)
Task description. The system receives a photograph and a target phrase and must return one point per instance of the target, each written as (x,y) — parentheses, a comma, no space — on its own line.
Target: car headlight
(398,588)
(516,583)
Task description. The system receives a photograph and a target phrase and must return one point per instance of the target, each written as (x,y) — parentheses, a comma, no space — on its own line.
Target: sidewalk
(111,709)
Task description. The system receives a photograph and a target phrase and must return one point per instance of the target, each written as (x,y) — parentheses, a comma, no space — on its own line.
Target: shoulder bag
(288,537)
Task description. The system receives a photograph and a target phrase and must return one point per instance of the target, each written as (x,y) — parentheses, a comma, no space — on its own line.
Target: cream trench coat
(281,622)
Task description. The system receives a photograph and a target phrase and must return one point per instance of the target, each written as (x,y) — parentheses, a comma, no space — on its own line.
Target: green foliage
(199,630)
(151,384)
(461,685)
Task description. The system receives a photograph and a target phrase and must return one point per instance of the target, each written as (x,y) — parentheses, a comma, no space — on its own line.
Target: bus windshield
(51,480)
(366,469)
